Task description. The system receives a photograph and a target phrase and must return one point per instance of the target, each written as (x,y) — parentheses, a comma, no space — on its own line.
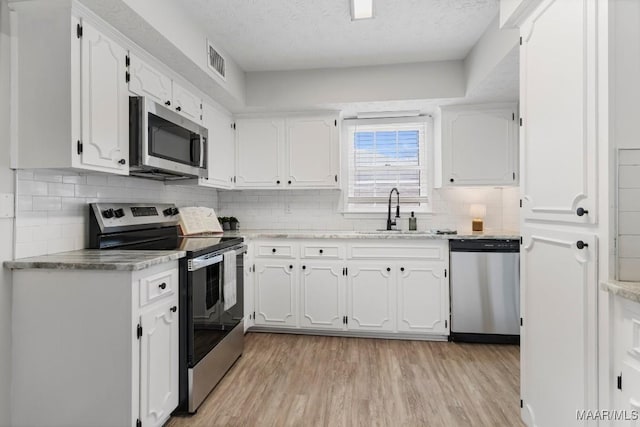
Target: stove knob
(107,213)
(168,211)
(174,211)
(119,213)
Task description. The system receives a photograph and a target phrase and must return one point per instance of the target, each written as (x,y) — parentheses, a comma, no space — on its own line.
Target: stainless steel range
(211,288)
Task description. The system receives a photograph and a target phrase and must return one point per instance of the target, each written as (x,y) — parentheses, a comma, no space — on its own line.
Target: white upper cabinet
(312,151)
(146,80)
(479,145)
(72,96)
(259,153)
(220,148)
(558,96)
(287,152)
(104,102)
(187,103)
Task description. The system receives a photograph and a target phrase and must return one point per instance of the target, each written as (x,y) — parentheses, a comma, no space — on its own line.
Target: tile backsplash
(319,210)
(629,215)
(52,213)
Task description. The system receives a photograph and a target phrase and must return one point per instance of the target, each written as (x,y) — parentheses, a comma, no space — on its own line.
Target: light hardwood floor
(298,380)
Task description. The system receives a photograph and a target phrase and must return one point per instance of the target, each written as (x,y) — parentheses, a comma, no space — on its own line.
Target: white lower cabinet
(324,285)
(625,389)
(371,297)
(423,297)
(95,347)
(322,295)
(275,290)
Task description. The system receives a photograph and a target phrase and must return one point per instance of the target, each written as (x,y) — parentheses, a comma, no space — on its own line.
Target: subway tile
(25,219)
(29,249)
(86,191)
(24,234)
(47,176)
(629,199)
(32,188)
(25,203)
(47,203)
(629,247)
(629,269)
(74,179)
(25,175)
(59,189)
(629,157)
(629,223)
(96,179)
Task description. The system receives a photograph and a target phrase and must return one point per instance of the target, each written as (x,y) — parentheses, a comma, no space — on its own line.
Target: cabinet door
(312,152)
(147,81)
(104,103)
(259,145)
(558,337)
(371,297)
(275,302)
(220,149)
(559,117)
(423,298)
(186,103)
(479,146)
(159,349)
(630,393)
(323,294)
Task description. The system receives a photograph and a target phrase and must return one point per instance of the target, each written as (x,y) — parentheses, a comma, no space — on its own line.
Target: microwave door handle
(203,141)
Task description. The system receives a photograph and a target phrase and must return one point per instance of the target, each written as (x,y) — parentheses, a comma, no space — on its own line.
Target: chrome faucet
(391,223)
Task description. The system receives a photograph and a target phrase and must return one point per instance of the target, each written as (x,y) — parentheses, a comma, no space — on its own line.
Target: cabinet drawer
(321,251)
(400,252)
(158,286)
(275,250)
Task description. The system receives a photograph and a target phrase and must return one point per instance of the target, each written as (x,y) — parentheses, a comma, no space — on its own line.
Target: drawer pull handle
(273,250)
(174,309)
(321,251)
(162,285)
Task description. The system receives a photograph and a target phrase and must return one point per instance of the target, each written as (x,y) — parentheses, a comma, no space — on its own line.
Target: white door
(323,293)
(249,291)
(312,151)
(557,92)
(558,338)
(480,147)
(159,348)
(220,148)
(371,297)
(275,303)
(423,298)
(630,393)
(259,150)
(104,103)
(187,103)
(146,81)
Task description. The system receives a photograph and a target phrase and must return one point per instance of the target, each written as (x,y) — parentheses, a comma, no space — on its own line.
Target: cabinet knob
(290,267)
(178,108)
(122,161)
(451,180)
(581,212)
(581,245)
(273,250)
(321,251)
(174,309)
(304,267)
(167,103)
(388,269)
(278,182)
(162,285)
(289,182)
(401,268)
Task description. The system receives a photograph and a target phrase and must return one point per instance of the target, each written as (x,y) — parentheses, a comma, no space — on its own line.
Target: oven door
(165,140)
(208,321)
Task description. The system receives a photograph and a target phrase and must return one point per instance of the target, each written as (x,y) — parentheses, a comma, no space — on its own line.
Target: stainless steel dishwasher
(485,290)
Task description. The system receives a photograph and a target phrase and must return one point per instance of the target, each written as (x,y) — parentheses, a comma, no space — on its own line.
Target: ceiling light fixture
(361,9)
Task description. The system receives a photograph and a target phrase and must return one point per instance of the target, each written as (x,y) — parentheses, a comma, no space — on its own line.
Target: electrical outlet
(6,205)
(287,208)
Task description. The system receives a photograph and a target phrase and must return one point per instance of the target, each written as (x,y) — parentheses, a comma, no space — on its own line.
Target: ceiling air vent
(216,61)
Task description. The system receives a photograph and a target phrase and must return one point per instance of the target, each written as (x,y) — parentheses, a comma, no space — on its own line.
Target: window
(384,156)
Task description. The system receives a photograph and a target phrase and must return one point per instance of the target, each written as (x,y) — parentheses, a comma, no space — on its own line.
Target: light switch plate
(7,205)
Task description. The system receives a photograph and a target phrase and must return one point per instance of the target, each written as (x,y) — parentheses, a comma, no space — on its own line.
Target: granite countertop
(627,290)
(96,259)
(343,234)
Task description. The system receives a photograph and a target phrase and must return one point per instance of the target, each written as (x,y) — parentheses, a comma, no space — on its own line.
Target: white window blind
(385,156)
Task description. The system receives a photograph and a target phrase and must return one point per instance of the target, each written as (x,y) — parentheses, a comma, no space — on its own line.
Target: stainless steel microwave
(163,144)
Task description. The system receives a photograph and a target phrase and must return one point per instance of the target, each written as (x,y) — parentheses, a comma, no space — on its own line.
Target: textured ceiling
(302,34)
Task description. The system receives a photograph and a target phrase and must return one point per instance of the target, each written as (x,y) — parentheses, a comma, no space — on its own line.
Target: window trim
(427,160)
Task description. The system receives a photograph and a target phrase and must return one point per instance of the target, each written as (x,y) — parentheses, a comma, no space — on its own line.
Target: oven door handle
(203,261)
